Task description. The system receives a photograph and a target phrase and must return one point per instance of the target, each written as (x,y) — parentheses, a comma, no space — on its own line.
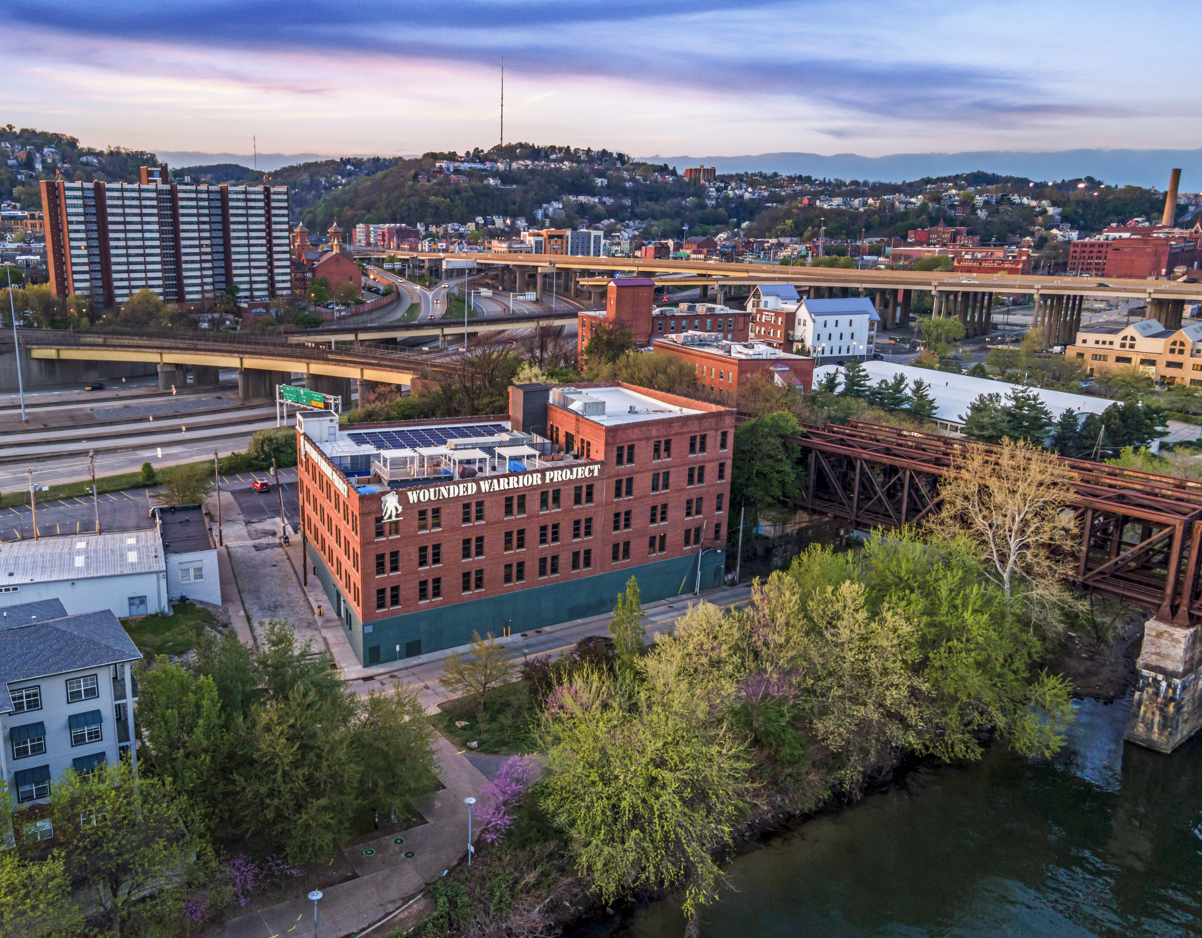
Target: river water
(1103,840)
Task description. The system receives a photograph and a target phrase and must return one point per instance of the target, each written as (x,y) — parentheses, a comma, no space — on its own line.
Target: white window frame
(87,734)
(21,697)
(28,743)
(81,686)
(38,830)
(35,791)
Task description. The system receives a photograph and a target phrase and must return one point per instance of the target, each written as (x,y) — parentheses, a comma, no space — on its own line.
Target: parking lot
(130,511)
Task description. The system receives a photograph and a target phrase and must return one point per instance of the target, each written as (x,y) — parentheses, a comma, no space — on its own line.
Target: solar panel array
(423,436)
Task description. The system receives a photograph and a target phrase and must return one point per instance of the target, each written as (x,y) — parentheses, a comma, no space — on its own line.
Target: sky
(641,76)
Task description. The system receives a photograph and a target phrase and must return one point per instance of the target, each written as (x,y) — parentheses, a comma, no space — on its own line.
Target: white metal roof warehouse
(954,392)
(123,572)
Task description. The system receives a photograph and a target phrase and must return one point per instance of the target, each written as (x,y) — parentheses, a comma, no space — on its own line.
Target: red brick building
(702,174)
(423,533)
(1137,253)
(973,262)
(734,324)
(628,302)
(942,236)
(337,267)
(720,367)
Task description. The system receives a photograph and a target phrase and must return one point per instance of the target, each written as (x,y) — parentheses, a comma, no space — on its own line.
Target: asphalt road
(659,618)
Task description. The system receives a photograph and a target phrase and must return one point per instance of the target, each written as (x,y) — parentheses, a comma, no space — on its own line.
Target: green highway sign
(302,396)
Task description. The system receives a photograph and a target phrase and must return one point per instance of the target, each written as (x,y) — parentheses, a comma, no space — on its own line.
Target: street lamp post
(314,896)
(469,801)
(700,554)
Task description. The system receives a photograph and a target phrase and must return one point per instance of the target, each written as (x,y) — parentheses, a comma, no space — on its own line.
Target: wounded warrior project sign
(505,483)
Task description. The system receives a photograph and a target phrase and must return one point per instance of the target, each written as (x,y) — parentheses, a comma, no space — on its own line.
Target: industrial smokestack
(1170,200)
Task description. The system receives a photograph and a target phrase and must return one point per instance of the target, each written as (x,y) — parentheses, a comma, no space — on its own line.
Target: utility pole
(16,345)
(33,505)
(275,474)
(217,478)
(95,501)
(739,555)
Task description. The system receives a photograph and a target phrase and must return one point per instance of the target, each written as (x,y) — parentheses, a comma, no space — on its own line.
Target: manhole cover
(409,854)
(369,852)
(398,840)
(538,631)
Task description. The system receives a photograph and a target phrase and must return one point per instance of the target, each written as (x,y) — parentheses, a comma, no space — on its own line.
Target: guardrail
(276,345)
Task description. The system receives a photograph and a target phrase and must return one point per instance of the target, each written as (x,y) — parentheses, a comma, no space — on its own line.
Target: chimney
(1170,200)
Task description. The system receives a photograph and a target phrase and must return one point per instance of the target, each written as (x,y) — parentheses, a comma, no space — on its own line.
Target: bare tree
(1011,501)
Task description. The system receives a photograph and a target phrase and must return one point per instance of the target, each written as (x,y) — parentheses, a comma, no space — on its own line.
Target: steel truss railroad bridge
(1140,533)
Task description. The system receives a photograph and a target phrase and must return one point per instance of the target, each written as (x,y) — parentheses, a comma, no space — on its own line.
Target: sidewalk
(386,877)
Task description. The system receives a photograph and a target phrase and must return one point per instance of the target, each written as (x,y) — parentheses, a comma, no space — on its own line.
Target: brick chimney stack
(1170,200)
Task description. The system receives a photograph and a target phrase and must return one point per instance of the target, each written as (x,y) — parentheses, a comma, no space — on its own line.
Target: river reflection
(1103,840)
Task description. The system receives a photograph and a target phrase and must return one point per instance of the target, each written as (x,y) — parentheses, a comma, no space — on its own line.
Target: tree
(1066,436)
(148,475)
(890,394)
(921,403)
(319,290)
(272,443)
(1027,417)
(978,657)
(185,485)
(608,343)
(121,836)
(978,371)
(626,626)
(985,421)
(143,308)
(938,335)
(645,789)
(855,380)
(391,740)
(180,715)
(659,371)
(1131,424)
(1009,502)
(35,895)
(486,667)
(1123,383)
(346,293)
(297,780)
(764,468)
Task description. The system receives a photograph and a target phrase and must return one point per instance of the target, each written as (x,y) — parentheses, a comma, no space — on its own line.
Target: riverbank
(1102,673)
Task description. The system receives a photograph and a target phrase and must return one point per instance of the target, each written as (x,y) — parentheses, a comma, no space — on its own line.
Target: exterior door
(137,606)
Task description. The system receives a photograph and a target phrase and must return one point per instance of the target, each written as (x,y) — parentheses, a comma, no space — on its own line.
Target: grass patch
(506,727)
(414,310)
(170,635)
(456,306)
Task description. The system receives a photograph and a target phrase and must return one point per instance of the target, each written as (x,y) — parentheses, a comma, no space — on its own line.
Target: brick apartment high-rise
(186,242)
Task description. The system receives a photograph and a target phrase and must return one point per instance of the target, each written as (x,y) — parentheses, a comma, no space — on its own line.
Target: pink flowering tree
(503,795)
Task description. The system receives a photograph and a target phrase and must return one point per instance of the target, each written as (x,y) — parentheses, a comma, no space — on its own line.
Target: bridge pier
(1169,313)
(205,376)
(172,376)
(328,384)
(1167,709)
(260,385)
(936,304)
(904,318)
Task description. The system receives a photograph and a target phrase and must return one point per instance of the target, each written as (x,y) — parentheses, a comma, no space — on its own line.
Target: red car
(261,485)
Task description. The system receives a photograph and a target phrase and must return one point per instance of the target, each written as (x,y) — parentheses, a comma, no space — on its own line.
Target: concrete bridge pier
(205,376)
(904,318)
(1168,313)
(327,384)
(936,304)
(172,376)
(1167,709)
(260,385)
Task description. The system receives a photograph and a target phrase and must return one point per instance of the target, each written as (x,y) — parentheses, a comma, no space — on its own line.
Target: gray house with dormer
(66,694)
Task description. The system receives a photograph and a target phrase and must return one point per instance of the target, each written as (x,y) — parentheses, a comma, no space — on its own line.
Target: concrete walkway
(386,876)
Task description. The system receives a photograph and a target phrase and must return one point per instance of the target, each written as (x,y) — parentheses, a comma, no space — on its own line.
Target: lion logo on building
(391,503)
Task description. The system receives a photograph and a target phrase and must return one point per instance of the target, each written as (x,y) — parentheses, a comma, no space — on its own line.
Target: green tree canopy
(764,466)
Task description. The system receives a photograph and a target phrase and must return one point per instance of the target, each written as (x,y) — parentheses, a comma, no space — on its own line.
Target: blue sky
(646,77)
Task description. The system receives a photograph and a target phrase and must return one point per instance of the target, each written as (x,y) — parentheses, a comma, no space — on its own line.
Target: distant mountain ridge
(1122,167)
(267,162)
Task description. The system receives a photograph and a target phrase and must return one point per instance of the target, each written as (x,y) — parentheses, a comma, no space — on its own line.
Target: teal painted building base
(434,627)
